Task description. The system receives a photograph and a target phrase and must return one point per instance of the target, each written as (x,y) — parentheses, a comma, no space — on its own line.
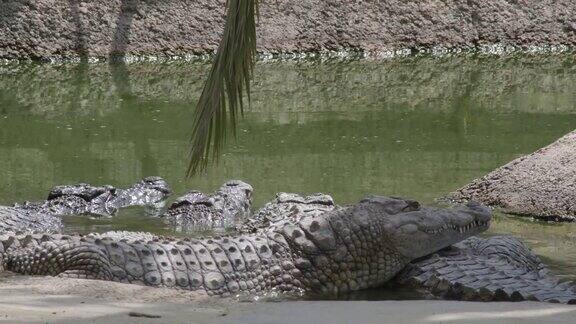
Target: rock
(541,184)
(137,314)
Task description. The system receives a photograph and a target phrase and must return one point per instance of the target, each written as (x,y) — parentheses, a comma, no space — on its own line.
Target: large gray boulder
(541,184)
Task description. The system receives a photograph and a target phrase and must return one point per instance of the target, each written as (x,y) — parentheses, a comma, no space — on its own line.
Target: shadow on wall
(81,46)
(9,9)
(120,41)
(121,33)
(123,26)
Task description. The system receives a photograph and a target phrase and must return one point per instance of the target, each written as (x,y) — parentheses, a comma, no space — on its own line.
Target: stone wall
(98,28)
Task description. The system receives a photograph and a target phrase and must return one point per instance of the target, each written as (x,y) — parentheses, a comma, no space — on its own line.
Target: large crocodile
(488,269)
(226,207)
(80,199)
(351,248)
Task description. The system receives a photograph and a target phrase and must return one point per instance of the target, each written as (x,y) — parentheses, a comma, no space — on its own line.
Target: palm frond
(221,100)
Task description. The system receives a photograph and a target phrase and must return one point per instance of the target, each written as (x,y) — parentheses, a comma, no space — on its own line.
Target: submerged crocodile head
(82,190)
(237,188)
(154,187)
(234,198)
(75,199)
(102,200)
(150,191)
(196,211)
(191,198)
(236,193)
(416,232)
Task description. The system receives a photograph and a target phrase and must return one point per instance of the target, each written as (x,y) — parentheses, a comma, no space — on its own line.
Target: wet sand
(55,300)
(399,312)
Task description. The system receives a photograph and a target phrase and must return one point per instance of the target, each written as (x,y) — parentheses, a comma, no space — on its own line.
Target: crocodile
(351,248)
(225,208)
(487,269)
(80,199)
(100,200)
(16,219)
(287,205)
(498,268)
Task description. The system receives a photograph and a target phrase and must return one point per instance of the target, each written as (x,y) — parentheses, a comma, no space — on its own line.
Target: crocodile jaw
(419,233)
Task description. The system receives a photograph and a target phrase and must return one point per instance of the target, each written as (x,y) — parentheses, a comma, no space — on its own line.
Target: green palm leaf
(222,97)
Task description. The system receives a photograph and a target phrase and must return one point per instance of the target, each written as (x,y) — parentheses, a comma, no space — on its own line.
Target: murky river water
(416,127)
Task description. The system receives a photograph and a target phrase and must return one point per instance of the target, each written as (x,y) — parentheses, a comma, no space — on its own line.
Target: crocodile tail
(68,259)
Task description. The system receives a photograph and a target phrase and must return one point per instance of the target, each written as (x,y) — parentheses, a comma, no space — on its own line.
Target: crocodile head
(224,208)
(106,200)
(82,190)
(236,187)
(154,185)
(234,198)
(193,197)
(76,199)
(416,232)
(235,193)
(367,244)
(150,191)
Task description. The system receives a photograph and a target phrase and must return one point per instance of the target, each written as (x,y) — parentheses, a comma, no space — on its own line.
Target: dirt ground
(56,300)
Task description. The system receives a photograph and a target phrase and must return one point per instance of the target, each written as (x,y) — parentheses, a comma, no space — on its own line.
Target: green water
(415,127)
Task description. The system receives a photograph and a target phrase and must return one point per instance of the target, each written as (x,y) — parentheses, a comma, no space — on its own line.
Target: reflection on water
(417,127)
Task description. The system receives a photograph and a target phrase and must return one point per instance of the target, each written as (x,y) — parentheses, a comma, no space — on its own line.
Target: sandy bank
(541,184)
(99,28)
(54,300)
(60,300)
